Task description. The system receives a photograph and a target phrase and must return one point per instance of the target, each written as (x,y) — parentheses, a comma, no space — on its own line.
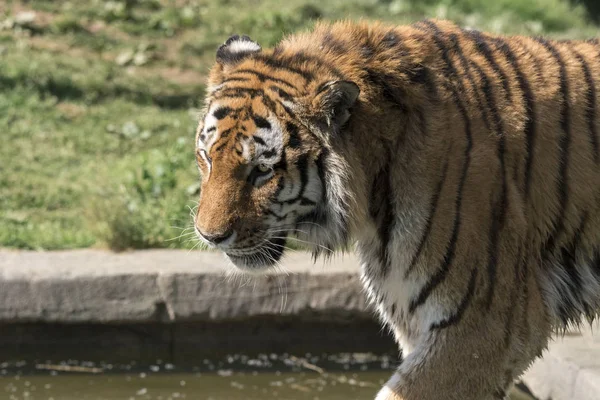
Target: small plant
(149,208)
(67,24)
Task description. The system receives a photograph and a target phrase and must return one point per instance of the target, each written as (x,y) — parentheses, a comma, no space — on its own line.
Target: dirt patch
(181,76)
(70,110)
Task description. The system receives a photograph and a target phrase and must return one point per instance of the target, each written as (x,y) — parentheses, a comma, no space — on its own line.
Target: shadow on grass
(65,89)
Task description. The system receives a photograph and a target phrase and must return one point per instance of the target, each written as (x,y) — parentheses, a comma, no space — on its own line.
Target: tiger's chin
(262,260)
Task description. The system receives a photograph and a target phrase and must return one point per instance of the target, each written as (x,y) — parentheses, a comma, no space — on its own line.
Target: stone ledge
(178,303)
(95,286)
(570,369)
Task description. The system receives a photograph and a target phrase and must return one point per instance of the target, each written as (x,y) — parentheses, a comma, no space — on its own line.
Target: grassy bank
(99,101)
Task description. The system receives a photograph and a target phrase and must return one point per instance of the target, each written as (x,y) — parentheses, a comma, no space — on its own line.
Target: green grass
(99,101)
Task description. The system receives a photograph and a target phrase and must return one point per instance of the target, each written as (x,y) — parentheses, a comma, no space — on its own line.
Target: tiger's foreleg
(478,358)
(450,366)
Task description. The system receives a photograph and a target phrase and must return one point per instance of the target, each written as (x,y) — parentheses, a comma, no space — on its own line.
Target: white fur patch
(210,137)
(242,46)
(557,287)
(273,139)
(386,393)
(206,160)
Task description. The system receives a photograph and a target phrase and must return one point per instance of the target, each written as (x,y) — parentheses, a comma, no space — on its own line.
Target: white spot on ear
(236,49)
(243,46)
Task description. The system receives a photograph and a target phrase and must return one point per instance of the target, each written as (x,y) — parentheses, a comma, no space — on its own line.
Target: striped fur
(463,165)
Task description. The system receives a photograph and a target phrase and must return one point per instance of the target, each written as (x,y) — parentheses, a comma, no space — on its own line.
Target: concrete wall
(177,306)
(182,307)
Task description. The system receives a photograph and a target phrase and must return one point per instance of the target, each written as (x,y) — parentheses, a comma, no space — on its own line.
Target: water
(172,386)
(337,377)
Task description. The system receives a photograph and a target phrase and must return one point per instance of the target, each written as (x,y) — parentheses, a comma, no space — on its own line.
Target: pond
(333,377)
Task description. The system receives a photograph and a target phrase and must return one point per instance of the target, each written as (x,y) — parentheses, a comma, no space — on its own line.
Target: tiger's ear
(334,99)
(236,48)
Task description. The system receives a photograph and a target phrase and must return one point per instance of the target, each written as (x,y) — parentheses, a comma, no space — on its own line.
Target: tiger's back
(467,170)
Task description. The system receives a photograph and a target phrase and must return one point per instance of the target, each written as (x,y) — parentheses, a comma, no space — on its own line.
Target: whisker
(303,241)
(183,235)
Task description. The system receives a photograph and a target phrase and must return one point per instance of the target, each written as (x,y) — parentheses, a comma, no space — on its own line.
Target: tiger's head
(264,150)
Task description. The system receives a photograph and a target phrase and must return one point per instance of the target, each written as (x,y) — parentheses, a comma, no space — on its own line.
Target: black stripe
(260,122)
(564,143)
(268,102)
(393,94)
(441,274)
(462,307)
(333,43)
(302,166)
(530,127)
(427,26)
(421,75)
(224,135)
(524,322)
(288,110)
(274,214)
(259,140)
(322,171)
(382,213)
(481,44)
(569,311)
(467,71)
(390,39)
(497,218)
(301,58)
(279,63)
(264,77)
(229,92)
(235,79)
(591,105)
(576,242)
(499,211)
(304,201)
(211,129)
(282,93)
(269,153)
(282,164)
(367,50)
(273,198)
(433,204)
(222,112)
(294,141)
(220,147)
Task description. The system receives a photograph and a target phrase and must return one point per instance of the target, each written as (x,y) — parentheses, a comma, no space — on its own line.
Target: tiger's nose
(216,238)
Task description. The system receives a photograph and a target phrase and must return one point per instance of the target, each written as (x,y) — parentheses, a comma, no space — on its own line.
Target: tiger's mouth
(265,256)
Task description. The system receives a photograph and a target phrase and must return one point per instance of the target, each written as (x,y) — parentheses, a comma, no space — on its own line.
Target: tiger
(461,166)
